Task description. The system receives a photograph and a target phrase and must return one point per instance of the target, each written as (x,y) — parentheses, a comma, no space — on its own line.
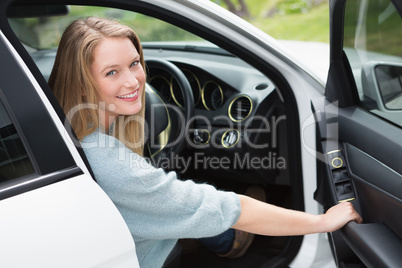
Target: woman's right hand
(337,216)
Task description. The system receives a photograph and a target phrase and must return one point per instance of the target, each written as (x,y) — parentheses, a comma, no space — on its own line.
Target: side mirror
(382,83)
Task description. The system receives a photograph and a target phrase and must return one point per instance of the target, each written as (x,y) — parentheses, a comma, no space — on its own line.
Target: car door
(52,213)
(359,131)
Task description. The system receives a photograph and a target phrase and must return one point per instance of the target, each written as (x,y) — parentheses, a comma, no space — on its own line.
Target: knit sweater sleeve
(155,204)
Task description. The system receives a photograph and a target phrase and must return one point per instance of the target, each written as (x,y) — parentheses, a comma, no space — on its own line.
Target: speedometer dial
(176,92)
(195,87)
(162,85)
(212,95)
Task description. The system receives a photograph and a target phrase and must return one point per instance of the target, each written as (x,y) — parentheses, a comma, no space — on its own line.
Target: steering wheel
(167,124)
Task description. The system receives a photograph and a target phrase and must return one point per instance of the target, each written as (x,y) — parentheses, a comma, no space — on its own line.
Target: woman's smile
(133,96)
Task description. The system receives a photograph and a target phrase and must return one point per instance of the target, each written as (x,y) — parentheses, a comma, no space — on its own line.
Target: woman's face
(120,77)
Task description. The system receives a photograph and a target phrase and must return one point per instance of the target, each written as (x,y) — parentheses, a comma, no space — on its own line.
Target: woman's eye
(111,73)
(134,63)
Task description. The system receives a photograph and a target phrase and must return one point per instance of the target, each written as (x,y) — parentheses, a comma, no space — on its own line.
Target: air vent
(240,108)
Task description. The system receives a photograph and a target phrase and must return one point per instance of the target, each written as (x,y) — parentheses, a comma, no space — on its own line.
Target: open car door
(359,130)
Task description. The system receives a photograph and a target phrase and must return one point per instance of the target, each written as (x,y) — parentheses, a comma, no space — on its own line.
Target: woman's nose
(130,80)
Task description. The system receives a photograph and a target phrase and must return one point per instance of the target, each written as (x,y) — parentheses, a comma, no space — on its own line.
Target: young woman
(99,80)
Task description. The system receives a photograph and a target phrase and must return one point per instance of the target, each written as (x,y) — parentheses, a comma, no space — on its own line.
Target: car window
(372,43)
(14,160)
(45,32)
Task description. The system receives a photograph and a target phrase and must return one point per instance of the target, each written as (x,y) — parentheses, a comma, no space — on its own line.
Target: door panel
(370,150)
(359,137)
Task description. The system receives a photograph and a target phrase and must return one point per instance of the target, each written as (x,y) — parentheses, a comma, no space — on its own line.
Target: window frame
(46,148)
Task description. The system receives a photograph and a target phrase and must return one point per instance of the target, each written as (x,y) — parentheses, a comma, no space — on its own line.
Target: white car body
(72,223)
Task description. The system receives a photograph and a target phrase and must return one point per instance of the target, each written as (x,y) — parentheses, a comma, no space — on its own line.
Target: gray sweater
(157,207)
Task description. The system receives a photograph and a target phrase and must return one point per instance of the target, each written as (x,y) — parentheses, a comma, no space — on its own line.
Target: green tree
(240,9)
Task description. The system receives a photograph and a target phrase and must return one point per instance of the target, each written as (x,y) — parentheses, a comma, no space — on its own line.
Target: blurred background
(303,20)
(306,20)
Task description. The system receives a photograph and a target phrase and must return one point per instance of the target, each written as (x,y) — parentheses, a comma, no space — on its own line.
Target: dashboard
(237,109)
(222,85)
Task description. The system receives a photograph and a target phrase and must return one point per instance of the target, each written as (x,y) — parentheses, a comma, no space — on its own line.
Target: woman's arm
(266,219)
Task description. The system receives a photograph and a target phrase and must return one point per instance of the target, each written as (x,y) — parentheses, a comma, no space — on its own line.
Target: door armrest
(374,243)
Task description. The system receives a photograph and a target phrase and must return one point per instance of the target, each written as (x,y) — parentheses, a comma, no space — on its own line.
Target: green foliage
(305,20)
(292,7)
(292,19)
(147,28)
(282,19)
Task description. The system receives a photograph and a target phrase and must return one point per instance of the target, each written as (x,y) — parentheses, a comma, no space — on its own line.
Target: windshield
(45,32)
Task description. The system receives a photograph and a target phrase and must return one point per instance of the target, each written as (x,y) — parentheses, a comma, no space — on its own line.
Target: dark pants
(221,243)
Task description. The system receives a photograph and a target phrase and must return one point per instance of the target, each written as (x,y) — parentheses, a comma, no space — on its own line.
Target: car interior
(242,126)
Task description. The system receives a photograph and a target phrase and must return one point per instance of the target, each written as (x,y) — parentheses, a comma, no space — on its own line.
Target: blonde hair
(75,88)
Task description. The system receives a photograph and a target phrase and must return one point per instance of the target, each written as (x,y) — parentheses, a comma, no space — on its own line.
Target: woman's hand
(266,219)
(338,215)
